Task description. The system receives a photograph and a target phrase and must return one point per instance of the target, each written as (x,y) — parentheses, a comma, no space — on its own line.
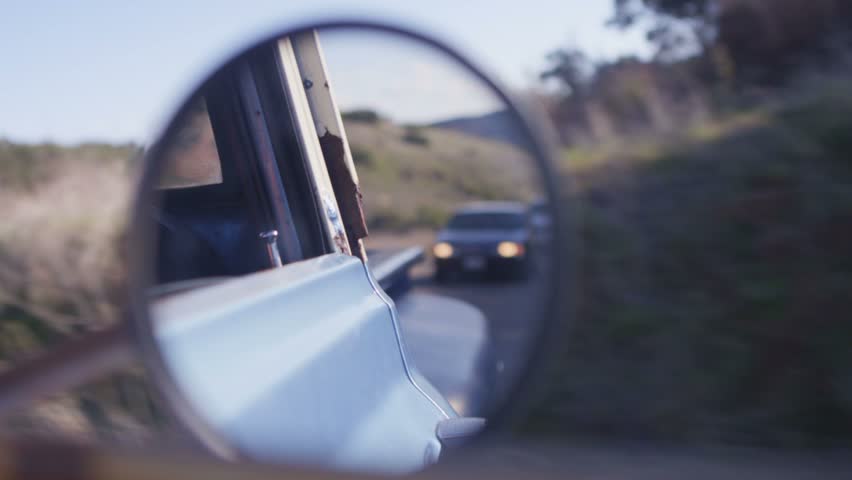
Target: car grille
(475,249)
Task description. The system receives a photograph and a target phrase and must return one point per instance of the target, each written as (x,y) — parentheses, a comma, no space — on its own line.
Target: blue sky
(113,71)
(402,79)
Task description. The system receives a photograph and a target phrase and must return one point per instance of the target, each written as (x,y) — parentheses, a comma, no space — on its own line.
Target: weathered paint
(332,135)
(309,140)
(345,188)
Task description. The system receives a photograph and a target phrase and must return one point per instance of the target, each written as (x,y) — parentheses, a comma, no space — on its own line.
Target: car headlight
(442,250)
(510,249)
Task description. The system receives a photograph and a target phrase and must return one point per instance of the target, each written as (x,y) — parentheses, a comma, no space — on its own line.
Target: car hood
(482,236)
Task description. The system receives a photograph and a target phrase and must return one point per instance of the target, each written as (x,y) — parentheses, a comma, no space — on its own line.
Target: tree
(574,72)
(362,116)
(677,27)
(763,40)
(571,68)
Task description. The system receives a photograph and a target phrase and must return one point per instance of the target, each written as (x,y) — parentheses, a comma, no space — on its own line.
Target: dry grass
(61,274)
(415,185)
(59,258)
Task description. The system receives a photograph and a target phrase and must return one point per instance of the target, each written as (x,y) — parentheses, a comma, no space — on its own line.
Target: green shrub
(387,219)
(362,157)
(362,116)
(431,216)
(415,136)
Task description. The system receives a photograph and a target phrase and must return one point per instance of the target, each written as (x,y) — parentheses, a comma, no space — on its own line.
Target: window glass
(193,159)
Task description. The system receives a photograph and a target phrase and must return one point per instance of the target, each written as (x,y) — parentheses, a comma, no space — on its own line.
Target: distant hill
(416,176)
(499,126)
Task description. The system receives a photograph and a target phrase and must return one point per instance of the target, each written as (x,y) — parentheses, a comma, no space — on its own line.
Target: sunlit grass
(410,185)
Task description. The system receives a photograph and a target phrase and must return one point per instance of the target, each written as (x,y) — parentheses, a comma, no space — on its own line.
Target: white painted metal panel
(319,91)
(302,364)
(309,142)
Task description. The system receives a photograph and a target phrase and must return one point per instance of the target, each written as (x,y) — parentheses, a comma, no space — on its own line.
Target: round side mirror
(345,252)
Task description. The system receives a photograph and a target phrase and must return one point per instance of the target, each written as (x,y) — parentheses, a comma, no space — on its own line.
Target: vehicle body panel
(302,364)
(448,341)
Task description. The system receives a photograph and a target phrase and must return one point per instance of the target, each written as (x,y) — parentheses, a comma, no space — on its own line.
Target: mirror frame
(559,297)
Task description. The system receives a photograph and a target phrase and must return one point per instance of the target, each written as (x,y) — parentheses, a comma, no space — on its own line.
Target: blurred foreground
(712,196)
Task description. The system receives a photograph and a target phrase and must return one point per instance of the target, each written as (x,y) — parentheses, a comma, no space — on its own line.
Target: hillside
(416,176)
(497,126)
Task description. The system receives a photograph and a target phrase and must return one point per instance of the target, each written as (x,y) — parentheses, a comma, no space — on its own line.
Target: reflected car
(488,238)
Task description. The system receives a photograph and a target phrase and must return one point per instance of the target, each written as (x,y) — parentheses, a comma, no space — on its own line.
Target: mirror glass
(347,252)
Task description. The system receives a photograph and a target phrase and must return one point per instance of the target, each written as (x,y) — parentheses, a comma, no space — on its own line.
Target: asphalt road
(512,308)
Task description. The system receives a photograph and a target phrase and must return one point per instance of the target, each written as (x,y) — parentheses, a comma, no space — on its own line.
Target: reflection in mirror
(447,179)
(350,253)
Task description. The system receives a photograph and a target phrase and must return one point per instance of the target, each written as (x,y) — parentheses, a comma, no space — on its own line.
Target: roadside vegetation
(712,285)
(713,190)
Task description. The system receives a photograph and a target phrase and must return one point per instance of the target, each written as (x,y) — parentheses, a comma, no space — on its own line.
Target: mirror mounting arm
(70,365)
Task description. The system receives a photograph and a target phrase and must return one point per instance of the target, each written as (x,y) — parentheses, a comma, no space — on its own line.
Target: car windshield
(487,221)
